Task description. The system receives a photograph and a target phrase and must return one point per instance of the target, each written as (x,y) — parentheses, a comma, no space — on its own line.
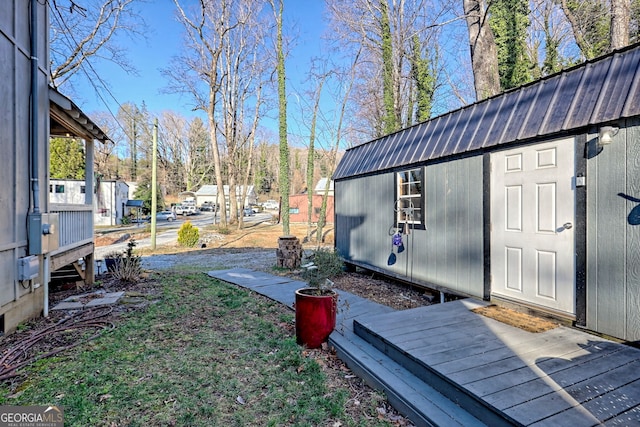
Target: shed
(529,198)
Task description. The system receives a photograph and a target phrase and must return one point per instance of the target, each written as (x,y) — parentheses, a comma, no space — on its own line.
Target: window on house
(59,188)
(294,210)
(409,206)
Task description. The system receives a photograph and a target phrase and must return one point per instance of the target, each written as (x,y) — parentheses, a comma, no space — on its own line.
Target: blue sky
(164,40)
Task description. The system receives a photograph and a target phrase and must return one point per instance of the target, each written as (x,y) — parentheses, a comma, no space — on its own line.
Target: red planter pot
(315,316)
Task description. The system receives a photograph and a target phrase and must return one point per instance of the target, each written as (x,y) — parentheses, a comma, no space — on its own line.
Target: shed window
(59,188)
(410,196)
(83,189)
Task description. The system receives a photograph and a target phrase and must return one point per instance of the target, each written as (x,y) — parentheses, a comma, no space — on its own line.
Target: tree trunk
(484,56)
(620,12)
(282,128)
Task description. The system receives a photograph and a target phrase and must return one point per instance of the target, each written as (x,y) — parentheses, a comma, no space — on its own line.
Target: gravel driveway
(254,259)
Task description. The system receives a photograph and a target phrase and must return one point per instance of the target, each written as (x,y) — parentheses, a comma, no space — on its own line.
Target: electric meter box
(43,233)
(28,267)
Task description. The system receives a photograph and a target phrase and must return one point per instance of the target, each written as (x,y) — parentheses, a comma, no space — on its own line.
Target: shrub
(325,264)
(126,266)
(188,235)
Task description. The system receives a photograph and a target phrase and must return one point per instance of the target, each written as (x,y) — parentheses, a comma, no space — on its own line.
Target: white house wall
(108,203)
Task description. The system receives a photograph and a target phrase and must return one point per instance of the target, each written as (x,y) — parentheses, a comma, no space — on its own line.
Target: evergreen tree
(66,158)
(143,192)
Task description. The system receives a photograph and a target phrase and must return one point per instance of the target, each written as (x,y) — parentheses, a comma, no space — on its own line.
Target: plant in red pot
(316,305)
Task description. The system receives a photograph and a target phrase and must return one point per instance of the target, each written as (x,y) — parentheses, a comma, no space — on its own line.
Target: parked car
(186,210)
(166,216)
(247,212)
(271,205)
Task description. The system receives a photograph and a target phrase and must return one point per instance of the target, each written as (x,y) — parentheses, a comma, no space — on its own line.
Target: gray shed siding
(573,103)
(613,236)
(449,253)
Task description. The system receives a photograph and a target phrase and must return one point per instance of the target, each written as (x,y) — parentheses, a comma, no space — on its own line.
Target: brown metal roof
(599,91)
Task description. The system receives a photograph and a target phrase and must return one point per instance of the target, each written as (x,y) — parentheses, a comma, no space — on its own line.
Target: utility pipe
(33,140)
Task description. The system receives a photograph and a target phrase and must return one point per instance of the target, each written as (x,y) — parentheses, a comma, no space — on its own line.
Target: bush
(188,235)
(325,264)
(126,266)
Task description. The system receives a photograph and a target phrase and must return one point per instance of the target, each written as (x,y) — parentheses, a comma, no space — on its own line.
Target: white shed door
(532,217)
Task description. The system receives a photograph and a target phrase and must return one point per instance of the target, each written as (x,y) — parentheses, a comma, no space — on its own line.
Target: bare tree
(221,70)
(549,38)
(484,56)
(311,154)
(384,35)
(590,24)
(106,159)
(87,29)
(184,160)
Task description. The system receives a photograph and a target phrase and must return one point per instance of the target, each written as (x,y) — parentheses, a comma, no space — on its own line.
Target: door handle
(567,225)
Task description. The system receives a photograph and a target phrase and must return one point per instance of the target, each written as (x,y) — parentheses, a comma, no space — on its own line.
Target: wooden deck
(499,374)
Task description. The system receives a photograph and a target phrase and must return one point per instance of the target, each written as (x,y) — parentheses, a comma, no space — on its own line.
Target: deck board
(531,377)
(562,376)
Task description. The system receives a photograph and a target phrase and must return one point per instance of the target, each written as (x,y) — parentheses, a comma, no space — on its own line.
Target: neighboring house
(209,193)
(109,200)
(36,236)
(299,208)
(299,204)
(529,198)
(133,186)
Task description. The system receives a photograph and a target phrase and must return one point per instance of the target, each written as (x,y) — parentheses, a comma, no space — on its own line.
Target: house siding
(299,208)
(20,301)
(613,237)
(448,253)
(108,202)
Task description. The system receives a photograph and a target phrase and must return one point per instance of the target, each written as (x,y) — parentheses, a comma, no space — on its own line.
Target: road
(167,232)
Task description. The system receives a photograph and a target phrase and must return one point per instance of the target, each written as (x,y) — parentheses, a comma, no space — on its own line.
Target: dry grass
(262,235)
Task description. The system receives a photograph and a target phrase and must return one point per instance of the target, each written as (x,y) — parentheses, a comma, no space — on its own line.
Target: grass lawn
(205,354)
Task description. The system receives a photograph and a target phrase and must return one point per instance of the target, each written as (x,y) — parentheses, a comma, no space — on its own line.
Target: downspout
(33,141)
(35,186)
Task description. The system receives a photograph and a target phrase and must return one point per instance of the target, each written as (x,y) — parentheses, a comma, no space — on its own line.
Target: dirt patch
(516,319)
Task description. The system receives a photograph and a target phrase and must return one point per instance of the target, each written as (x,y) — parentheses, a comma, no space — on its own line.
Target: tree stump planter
(289,252)
(315,316)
